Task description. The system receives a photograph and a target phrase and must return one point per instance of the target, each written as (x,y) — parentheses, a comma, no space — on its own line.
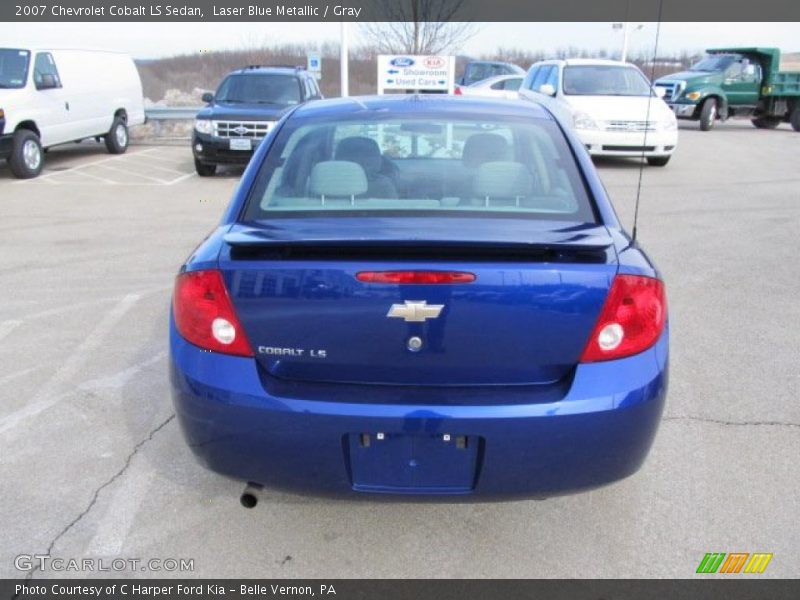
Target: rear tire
(204,170)
(766,122)
(708,114)
(27,157)
(117,137)
(795,118)
(658,161)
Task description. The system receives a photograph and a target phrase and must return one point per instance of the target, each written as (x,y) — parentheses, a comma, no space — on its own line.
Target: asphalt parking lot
(93,464)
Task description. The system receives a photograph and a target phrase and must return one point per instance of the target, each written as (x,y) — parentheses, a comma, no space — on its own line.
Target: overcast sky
(153,40)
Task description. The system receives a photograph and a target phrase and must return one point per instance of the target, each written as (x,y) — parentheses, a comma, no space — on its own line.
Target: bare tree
(418,27)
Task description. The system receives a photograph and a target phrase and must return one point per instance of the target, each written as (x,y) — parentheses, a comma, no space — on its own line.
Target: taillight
(457,91)
(415,277)
(204,314)
(631,321)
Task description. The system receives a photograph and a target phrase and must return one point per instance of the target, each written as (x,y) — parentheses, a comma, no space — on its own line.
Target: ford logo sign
(402,61)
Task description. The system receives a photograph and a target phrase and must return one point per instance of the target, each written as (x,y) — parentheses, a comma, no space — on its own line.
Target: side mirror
(547,89)
(207,97)
(48,82)
(660,91)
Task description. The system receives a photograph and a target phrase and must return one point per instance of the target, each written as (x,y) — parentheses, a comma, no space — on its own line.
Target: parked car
(56,96)
(500,86)
(420,295)
(245,107)
(733,82)
(478,70)
(613,107)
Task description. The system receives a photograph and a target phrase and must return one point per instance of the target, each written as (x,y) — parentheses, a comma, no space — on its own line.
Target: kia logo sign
(402,61)
(434,62)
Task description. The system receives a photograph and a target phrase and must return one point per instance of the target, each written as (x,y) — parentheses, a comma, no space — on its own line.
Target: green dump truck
(737,82)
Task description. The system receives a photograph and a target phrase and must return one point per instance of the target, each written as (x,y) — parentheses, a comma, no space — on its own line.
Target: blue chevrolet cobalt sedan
(420,296)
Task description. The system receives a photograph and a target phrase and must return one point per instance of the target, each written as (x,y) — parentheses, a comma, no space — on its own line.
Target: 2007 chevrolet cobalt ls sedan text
(420,295)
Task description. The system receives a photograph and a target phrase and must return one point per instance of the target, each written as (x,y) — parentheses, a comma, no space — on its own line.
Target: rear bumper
(625,144)
(599,432)
(209,149)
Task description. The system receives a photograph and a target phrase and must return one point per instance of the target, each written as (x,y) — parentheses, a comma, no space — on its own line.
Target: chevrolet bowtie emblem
(415,311)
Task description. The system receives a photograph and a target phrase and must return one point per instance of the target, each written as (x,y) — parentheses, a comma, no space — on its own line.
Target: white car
(499,86)
(51,96)
(614,109)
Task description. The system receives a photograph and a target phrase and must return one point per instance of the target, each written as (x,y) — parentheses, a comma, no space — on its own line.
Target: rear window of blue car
(418,166)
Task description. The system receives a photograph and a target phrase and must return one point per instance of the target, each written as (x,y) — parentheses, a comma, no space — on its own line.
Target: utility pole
(624,42)
(344,59)
(626,32)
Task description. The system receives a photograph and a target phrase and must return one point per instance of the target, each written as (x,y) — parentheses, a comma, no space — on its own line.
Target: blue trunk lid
(539,287)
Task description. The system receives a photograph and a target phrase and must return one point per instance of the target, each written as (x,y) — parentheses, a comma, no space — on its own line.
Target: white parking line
(96,177)
(148,161)
(7,327)
(52,391)
(10,377)
(127,172)
(53,177)
(182,178)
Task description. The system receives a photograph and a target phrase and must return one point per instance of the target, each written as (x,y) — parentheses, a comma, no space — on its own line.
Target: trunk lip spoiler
(256,238)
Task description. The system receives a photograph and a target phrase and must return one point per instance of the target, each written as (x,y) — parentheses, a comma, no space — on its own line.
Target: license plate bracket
(413,463)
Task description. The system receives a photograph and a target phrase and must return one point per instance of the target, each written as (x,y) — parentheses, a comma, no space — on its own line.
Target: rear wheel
(795,118)
(708,114)
(117,137)
(203,169)
(27,157)
(766,122)
(658,161)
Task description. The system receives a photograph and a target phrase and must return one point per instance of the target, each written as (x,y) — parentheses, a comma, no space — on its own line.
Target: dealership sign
(409,73)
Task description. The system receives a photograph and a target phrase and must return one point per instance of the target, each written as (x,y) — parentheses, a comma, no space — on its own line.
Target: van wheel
(658,161)
(27,156)
(766,122)
(795,118)
(117,137)
(203,169)
(708,115)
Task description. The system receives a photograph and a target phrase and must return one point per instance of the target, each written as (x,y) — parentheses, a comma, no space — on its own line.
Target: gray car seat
(365,152)
(502,183)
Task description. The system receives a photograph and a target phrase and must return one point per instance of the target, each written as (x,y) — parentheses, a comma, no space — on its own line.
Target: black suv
(244,109)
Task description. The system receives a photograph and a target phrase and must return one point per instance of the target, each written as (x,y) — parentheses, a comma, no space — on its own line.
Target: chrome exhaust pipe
(250,495)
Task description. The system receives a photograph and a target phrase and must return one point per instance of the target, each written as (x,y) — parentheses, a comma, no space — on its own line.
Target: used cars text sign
(403,72)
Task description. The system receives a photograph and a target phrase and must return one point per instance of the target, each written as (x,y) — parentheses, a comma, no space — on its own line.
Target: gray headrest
(337,178)
(502,179)
(483,147)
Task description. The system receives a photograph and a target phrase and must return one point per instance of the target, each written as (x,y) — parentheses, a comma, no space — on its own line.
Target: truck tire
(117,138)
(708,114)
(204,169)
(658,161)
(766,122)
(794,119)
(27,157)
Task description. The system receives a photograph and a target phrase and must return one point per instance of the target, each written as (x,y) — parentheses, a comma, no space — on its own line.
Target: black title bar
(399,10)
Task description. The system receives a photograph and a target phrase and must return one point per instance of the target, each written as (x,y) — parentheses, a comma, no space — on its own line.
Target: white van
(50,97)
